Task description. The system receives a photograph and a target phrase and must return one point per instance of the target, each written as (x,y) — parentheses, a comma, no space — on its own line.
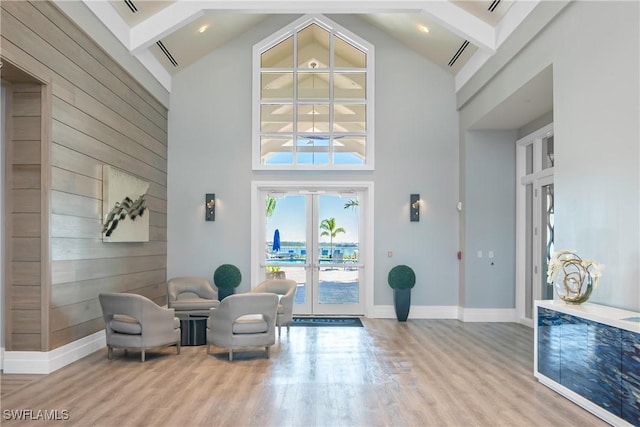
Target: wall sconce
(414,207)
(210,207)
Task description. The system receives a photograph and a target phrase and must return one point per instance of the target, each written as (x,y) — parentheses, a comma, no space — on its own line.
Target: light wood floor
(422,373)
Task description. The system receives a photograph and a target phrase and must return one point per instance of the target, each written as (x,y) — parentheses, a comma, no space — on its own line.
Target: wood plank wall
(100,115)
(25,216)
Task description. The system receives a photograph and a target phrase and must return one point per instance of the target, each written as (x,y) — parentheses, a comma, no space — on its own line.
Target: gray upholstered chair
(243,320)
(191,296)
(135,322)
(286,291)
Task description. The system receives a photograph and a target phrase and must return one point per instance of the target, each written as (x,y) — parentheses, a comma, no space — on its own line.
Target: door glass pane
(528,304)
(279,56)
(546,238)
(348,56)
(313,47)
(529,159)
(285,241)
(338,250)
(547,152)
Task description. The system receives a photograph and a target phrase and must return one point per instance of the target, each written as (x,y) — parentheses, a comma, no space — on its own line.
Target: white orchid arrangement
(575,270)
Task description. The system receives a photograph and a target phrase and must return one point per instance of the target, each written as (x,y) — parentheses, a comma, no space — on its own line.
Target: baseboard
(449,312)
(488,314)
(417,312)
(41,362)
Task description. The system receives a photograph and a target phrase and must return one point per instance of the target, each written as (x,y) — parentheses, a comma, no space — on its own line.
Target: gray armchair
(286,290)
(191,296)
(135,322)
(243,320)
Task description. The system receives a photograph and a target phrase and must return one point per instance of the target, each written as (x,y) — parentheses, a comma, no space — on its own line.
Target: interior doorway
(316,235)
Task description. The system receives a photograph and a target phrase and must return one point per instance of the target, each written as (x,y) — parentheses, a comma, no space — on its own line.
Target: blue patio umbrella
(276,240)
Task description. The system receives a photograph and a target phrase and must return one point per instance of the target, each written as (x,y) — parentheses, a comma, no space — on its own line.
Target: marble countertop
(623,319)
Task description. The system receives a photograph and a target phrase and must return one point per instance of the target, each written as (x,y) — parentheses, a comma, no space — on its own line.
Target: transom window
(313,103)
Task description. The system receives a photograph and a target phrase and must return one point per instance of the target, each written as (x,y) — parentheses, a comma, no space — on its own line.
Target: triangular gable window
(313,98)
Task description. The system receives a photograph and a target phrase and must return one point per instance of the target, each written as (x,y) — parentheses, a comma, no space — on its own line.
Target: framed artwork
(125,217)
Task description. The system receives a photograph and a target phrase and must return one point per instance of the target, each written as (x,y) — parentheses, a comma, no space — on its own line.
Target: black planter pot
(402,303)
(225,292)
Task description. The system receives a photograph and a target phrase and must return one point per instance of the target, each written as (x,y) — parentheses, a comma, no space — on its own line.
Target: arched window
(313,98)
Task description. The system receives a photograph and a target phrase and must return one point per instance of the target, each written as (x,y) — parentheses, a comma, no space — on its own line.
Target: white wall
(489,213)
(593,47)
(416,152)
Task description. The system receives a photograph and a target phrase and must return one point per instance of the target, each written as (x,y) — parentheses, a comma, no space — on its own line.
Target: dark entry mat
(326,321)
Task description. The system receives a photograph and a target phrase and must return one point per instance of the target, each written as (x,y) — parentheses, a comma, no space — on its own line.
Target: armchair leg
(109,352)
(230,355)
(279,328)
(142,355)
(178,347)
(208,348)
(267,350)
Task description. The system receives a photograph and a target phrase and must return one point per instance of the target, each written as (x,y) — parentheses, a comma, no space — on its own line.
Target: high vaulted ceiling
(167,36)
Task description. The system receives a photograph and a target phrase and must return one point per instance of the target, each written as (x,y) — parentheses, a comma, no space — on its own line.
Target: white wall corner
(488,315)
(40,362)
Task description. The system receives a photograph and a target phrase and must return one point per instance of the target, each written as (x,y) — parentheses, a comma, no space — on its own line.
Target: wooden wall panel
(99,115)
(23,237)
(26,273)
(102,57)
(25,341)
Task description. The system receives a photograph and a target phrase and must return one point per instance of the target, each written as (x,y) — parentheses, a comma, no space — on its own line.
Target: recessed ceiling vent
(458,53)
(131,6)
(167,53)
(493,5)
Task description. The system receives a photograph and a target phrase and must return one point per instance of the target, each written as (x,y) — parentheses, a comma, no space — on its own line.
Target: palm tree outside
(329,229)
(271,205)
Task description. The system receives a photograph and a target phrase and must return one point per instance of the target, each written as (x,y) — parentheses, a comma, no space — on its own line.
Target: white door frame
(366,241)
(537,178)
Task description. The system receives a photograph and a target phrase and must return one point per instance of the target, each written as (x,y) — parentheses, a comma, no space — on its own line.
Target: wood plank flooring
(420,373)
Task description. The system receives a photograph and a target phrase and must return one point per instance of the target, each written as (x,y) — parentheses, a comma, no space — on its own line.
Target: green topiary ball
(401,277)
(227,276)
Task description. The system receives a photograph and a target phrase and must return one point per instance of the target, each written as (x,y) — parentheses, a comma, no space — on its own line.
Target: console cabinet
(591,355)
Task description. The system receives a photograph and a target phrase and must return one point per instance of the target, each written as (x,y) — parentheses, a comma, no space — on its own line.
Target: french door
(313,236)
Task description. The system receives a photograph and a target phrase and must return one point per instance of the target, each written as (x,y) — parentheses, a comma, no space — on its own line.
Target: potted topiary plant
(402,278)
(227,278)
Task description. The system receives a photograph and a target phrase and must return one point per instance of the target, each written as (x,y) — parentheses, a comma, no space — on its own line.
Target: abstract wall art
(125,217)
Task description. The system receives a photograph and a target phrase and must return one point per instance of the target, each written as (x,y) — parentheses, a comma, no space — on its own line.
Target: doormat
(326,321)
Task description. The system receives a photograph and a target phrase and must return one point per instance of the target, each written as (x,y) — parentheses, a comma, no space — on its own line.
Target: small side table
(193,330)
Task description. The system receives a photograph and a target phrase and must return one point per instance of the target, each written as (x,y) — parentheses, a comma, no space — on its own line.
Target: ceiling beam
(164,23)
(463,23)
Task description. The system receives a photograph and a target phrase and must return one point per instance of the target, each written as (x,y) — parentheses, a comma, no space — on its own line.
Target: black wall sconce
(414,207)
(210,207)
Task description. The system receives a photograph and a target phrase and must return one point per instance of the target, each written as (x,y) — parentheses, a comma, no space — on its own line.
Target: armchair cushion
(250,324)
(124,324)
